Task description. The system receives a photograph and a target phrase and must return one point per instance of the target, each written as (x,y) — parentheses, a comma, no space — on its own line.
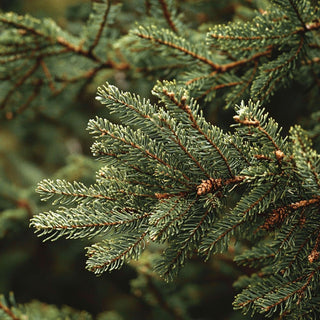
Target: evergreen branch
(252,38)
(287,62)
(259,200)
(314,255)
(117,260)
(161,300)
(306,150)
(126,163)
(251,121)
(306,27)
(180,48)
(180,144)
(137,182)
(99,33)
(232,65)
(80,224)
(174,220)
(12,20)
(299,250)
(299,290)
(167,15)
(48,75)
(8,311)
(210,247)
(232,143)
(217,87)
(77,191)
(104,131)
(19,83)
(32,97)
(144,151)
(183,106)
(293,5)
(184,246)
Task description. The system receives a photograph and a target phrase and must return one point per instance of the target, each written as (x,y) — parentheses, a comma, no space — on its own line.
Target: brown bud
(204,187)
(314,255)
(279,155)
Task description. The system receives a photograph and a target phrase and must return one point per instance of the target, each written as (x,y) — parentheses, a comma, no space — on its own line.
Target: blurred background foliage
(55,144)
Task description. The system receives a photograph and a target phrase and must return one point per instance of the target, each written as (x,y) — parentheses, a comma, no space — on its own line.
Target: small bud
(183,100)
(171,95)
(204,187)
(236,118)
(279,155)
(314,255)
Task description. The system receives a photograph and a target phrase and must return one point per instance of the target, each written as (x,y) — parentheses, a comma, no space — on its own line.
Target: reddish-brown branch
(300,291)
(167,15)
(95,225)
(187,109)
(8,312)
(77,195)
(48,75)
(102,25)
(186,241)
(178,141)
(121,255)
(181,215)
(277,216)
(182,49)
(146,152)
(256,123)
(20,83)
(232,65)
(35,93)
(217,87)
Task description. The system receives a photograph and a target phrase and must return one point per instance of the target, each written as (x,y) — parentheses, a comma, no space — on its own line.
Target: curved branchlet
(35,55)
(253,59)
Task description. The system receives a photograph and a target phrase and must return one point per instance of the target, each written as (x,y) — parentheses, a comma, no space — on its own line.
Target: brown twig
(8,312)
(167,15)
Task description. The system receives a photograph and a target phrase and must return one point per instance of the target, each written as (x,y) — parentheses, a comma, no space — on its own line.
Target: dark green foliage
(171,186)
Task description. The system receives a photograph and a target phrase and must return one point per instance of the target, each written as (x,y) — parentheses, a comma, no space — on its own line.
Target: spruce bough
(170,177)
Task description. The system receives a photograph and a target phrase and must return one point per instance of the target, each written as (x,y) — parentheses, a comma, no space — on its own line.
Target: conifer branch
(161,300)
(256,123)
(99,33)
(100,267)
(180,144)
(8,311)
(159,233)
(300,290)
(36,91)
(146,152)
(167,15)
(91,226)
(186,108)
(126,163)
(184,245)
(171,177)
(232,65)
(19,83)
(293,5)
(53,191)
(179,48)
